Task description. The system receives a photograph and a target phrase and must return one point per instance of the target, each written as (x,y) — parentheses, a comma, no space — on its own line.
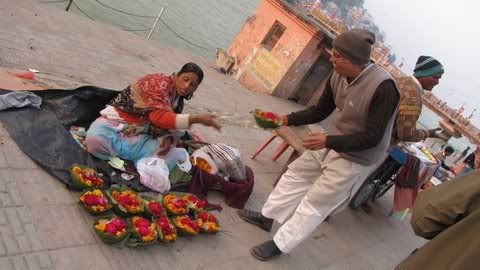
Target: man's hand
(315,141)
(432,133)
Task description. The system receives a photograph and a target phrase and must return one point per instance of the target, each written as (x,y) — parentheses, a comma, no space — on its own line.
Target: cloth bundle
(228,159)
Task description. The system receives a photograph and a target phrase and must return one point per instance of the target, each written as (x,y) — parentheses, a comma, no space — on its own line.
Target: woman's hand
(315,141)
(205,119)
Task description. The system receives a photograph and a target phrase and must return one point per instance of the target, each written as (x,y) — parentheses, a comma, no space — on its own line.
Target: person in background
(462,155)
(138,122)
(467,164)
(448,214)
(442,171)
(426,75)
(320,181)
(442,155)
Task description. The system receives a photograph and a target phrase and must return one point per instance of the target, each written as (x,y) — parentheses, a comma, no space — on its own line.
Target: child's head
(448,151)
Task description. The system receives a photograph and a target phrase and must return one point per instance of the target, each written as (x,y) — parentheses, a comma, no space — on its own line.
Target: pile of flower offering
(267,120)
(111,229)
(94,201)
(208,222)
(185,225)
(84,178)
(125,201)
(201,163)
(174,205)
(166,230)
(143,229)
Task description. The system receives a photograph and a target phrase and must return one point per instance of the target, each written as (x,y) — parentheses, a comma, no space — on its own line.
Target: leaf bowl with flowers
(185,225)
(125,201)
(166,231)
(208,222)
(267,120)
(175,205)
(95,201)
(111,230)
(152,207)
(144,231)
(194,203)
(84,178)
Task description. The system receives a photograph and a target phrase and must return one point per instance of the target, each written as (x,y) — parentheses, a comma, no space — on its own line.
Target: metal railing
(151,30)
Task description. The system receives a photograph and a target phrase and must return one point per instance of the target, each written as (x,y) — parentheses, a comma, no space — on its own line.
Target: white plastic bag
(177,156)
(154,174)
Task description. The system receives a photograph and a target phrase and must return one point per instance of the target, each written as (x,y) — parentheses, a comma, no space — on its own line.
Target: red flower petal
(143,231)
(142,222)
(155,208)
(119,224)
(110,228)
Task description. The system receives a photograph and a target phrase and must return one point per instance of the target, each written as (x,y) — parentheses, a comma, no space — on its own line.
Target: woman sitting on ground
(138,122)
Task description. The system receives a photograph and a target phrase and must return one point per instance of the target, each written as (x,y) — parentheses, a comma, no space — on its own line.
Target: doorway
(313,80)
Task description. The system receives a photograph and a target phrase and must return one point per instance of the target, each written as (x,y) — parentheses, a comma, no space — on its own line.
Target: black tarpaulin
(44,136)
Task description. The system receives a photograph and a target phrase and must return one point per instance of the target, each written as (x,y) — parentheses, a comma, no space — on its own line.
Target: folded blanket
(236,192)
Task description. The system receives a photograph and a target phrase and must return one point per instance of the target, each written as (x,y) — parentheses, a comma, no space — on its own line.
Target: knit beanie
(427,66)
(355,44)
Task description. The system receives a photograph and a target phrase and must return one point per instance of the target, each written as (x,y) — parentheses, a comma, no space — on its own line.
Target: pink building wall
(281,70)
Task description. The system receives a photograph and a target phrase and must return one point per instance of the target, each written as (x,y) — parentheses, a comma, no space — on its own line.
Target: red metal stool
(292,136)
(280,150)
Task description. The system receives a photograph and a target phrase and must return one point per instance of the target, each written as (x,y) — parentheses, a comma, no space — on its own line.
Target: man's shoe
(266,251)
(256,218)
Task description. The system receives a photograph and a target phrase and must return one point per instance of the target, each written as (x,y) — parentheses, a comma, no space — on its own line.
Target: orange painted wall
(290,59)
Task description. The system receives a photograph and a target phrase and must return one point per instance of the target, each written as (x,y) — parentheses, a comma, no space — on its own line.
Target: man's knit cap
(427,66)
(355,44)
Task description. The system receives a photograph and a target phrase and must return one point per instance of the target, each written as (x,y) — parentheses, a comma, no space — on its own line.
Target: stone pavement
(42,227)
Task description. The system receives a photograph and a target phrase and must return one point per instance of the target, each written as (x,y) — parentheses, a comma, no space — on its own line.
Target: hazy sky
(446,30)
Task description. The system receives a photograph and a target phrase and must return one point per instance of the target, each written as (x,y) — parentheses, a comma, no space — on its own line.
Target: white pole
(156,21)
